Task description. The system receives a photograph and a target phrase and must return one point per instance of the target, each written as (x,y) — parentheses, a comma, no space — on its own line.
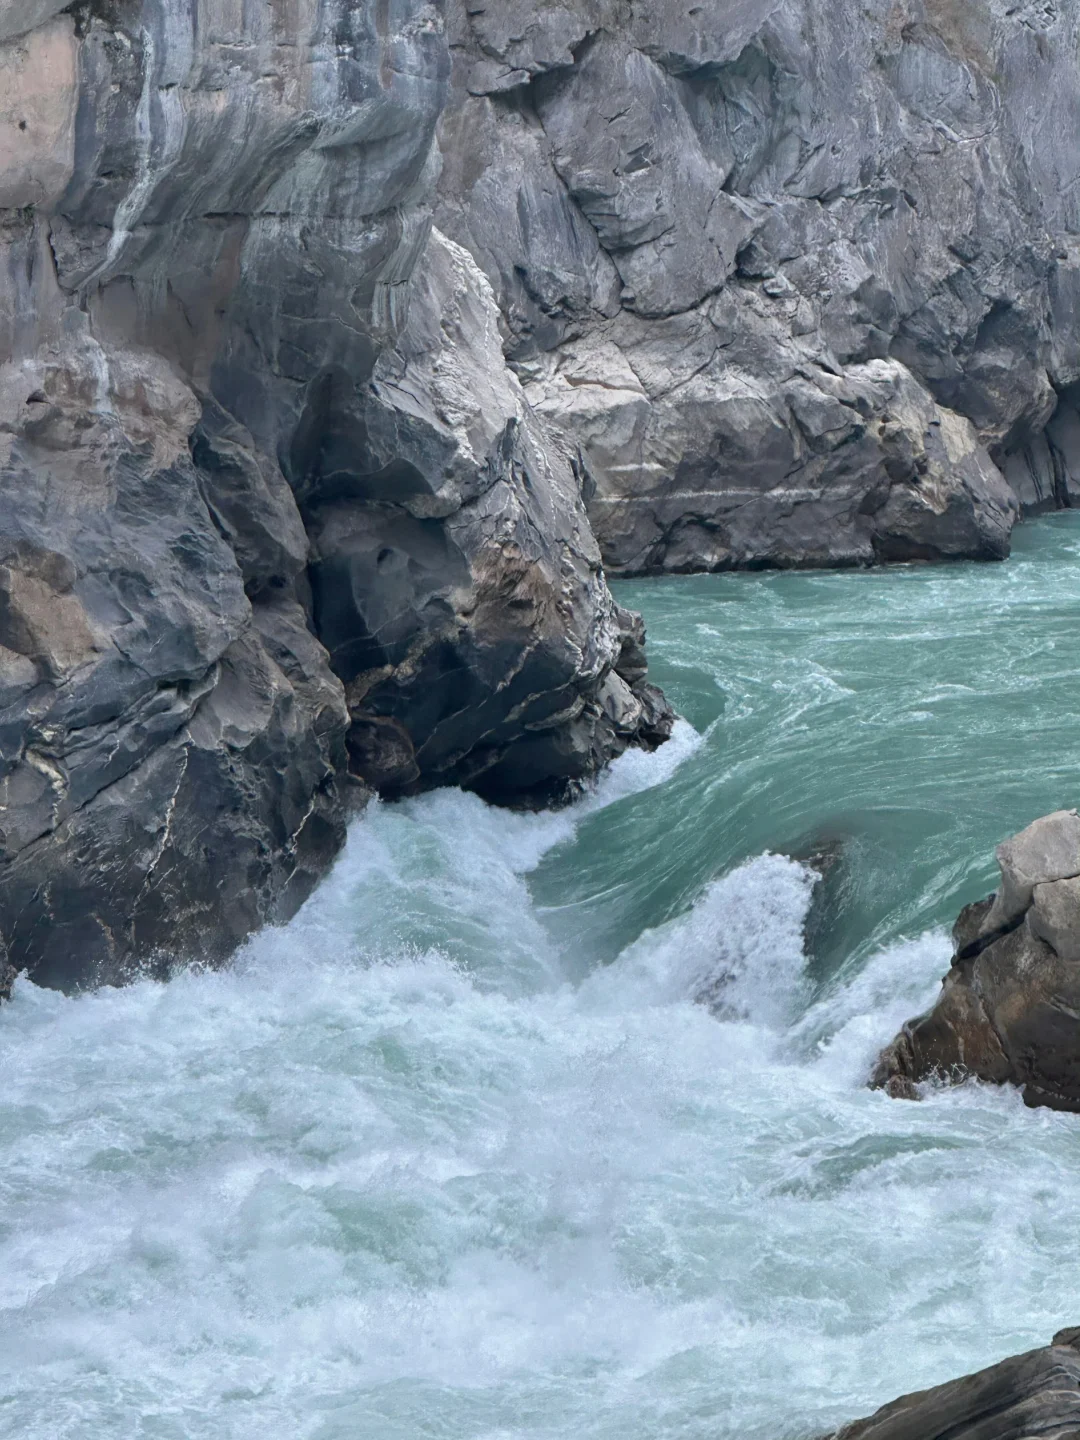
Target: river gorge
(538,561)
(539,1125)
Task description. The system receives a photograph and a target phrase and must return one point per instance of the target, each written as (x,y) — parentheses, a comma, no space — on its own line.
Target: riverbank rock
(1008,1006)
(279,527)
(1036,1394)
(802,279)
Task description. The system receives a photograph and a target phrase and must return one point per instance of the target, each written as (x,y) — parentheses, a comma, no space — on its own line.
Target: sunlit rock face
(261,541)
(777,265)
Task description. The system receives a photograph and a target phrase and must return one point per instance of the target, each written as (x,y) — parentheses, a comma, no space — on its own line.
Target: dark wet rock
(970,931)
(278,525)
(1008,1008)
(1035,1394)
(828,855)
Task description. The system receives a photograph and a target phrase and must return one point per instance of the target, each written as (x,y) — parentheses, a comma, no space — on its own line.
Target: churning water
(456,1156)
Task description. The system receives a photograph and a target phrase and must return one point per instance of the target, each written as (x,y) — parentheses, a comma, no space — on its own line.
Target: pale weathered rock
(1036,1394)
(880,472)
(19,16)
(786,194)
(1046,851)
(1007,1012)
(37,115)
(1055,917)
(463,604)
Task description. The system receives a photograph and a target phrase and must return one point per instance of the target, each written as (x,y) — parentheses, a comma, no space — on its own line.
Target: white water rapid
(443,1160)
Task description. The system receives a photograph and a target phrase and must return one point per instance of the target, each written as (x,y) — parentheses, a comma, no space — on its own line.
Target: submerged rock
(1037,1393)
(278,524)
(1009,1005)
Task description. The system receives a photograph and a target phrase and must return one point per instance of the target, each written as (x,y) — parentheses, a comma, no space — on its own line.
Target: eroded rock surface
(1009,1005)
(277,522)
(462,602)
(1036,1394)
(800,277)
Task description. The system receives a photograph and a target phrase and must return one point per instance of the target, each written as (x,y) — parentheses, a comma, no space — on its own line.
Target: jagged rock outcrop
(1035,1394)
(801,278)
(1008,1008)
(275,519)
(462,602)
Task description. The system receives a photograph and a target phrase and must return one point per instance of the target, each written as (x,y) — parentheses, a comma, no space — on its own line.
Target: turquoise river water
(455,1155)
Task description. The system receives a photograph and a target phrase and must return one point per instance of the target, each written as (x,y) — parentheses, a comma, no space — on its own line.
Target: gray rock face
(462,602)
(1008,1007)
(800,278)
(276,522)
(1026,1395)
(168,747)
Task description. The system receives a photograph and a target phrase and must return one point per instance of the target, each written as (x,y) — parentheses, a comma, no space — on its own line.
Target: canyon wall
(801,278)
(277,523)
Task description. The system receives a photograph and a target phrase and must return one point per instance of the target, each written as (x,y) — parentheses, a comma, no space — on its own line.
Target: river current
(456,1155)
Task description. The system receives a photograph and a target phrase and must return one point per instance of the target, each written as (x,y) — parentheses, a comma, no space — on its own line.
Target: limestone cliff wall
(276,520)
(800,276)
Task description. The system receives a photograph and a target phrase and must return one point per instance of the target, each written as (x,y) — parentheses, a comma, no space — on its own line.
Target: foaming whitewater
(539,1126)
(739,950)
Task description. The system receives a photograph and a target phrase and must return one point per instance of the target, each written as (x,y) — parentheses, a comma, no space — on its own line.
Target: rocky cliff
(275,517)
(801,277)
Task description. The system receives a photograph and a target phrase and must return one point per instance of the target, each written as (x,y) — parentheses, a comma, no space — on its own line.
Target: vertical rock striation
(273,512)
(297,488)
(463,602)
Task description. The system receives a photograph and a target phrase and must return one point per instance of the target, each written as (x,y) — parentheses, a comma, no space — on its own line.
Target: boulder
(1008,1007)
(1046,852)
(842,470)
(1035,1394)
